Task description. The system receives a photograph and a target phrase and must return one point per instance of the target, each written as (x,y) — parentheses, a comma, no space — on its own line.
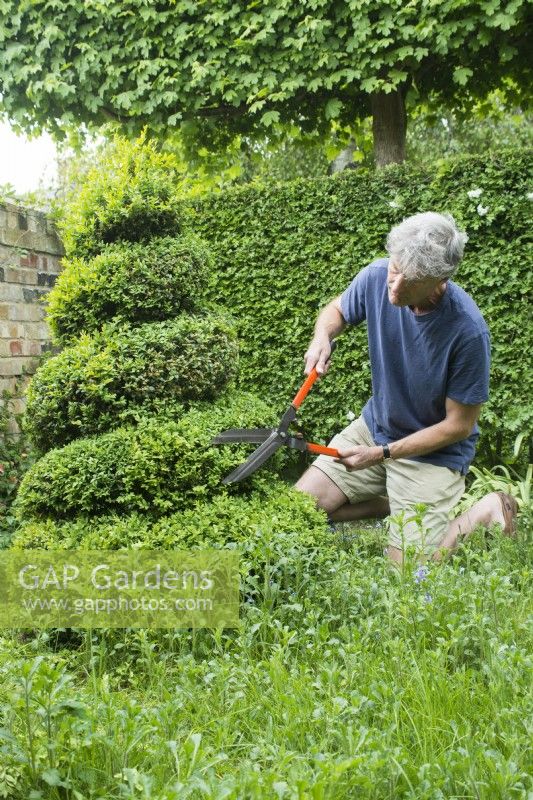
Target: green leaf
(270,118)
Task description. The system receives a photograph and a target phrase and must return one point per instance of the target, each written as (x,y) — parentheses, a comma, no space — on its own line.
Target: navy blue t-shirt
(419,360)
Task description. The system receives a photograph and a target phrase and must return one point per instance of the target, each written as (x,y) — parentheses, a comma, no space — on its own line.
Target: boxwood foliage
(223,521)
(131,196)
(128,282)
(282,251)
(105,380)
(155,467)
(276,530)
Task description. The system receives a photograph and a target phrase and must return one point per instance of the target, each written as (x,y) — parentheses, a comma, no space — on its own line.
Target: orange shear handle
(319,449)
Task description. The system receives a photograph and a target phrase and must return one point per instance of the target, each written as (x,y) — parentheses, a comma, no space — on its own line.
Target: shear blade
(257,458)
(251,435)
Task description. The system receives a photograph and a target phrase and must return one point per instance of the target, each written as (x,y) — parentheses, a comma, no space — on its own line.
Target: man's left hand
(360,457)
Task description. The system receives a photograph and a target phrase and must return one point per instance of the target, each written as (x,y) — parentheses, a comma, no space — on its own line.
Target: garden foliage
(105,380)
(213,522)
(131,283)
(154,466)
(132,199)
(126,412)
(282,251)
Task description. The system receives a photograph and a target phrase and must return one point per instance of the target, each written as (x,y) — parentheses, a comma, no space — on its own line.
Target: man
(430,357)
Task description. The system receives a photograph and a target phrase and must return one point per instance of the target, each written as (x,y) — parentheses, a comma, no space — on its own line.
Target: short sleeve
(353,299)
(468,374)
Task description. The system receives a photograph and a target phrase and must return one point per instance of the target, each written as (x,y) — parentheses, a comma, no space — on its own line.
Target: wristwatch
(386,452)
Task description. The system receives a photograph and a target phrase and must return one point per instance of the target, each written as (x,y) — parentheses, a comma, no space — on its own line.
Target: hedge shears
(271,439)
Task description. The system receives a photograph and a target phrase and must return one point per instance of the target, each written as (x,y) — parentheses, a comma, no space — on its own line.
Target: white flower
(394,204)
(529,195)
(482,210)
(474,193)
(350,416)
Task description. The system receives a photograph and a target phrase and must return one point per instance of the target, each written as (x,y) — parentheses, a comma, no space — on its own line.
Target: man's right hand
(317,355)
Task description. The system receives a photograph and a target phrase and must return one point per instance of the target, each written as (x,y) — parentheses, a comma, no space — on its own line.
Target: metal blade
(257,458)
(252,435)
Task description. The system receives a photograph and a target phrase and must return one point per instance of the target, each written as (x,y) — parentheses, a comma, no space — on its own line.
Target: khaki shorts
(405,483)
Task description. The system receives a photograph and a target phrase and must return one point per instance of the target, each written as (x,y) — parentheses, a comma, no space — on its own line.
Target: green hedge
(156,467)
(131,196)
(132,283)
(219,522)
(284,250)
(106,380)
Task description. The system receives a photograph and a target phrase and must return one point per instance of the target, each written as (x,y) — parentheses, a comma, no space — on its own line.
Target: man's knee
(327,494)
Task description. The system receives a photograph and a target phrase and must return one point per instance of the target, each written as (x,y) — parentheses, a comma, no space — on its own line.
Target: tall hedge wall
(283,250)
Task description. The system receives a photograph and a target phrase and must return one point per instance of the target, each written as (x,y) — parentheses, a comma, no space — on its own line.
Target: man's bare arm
(329,324)
(458,424)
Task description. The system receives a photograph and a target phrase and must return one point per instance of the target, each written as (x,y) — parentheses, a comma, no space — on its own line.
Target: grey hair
(427,245)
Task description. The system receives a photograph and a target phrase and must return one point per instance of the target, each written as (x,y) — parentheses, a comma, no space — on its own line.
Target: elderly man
(430,356)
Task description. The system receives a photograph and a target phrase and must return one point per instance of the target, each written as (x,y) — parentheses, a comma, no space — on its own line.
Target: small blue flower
(427,598)
(421,574)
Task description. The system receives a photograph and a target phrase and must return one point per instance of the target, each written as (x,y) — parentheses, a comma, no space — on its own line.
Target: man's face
(407,292)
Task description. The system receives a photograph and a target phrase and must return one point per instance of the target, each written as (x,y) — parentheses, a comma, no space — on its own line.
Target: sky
(26,164)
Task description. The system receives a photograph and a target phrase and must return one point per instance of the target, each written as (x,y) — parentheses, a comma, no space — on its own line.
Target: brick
(8,385)
(32,295)
(11,366)
(44,263)
(44,279)
(29,260)
(37,330)
(4,311)
(12,292)
(20,347)
(18,405)
(14,275)
(22,312)
(11,330)
(12,427)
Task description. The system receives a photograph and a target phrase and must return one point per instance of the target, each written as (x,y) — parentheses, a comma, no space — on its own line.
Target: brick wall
(30,255)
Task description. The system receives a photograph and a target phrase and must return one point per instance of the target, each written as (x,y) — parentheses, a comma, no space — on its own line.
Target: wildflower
(350,415)
(421,574)
(427,598)
(474,193)
(529,195)
(482,210)
(394,204)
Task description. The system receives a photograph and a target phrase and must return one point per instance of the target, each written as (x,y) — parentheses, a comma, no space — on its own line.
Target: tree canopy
(215,70)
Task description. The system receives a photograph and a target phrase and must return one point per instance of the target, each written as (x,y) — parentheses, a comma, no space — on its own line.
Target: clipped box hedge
(133,283)
(282,251)
(224,520)
(106,380)
(156,467)
(278,533)
(132,196)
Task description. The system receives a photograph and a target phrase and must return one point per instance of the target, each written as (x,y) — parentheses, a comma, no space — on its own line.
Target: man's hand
(317,355)
(360,457)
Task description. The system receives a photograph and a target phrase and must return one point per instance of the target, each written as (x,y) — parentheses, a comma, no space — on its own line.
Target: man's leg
(437,489)
(327,494)
(347,495)
(493,509)
(334,502)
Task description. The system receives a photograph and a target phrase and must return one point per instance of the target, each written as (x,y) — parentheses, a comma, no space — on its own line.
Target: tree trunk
(389,124)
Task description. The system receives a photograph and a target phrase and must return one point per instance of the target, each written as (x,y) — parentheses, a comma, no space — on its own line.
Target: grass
(358,682)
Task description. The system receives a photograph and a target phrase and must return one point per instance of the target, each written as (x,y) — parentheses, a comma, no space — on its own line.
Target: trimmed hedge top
(131,197)
(131,283)
(106,380)
(217,522)
(282,251)
(157,467)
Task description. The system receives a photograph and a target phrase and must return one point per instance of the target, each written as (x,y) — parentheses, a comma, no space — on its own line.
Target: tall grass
(354,681)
